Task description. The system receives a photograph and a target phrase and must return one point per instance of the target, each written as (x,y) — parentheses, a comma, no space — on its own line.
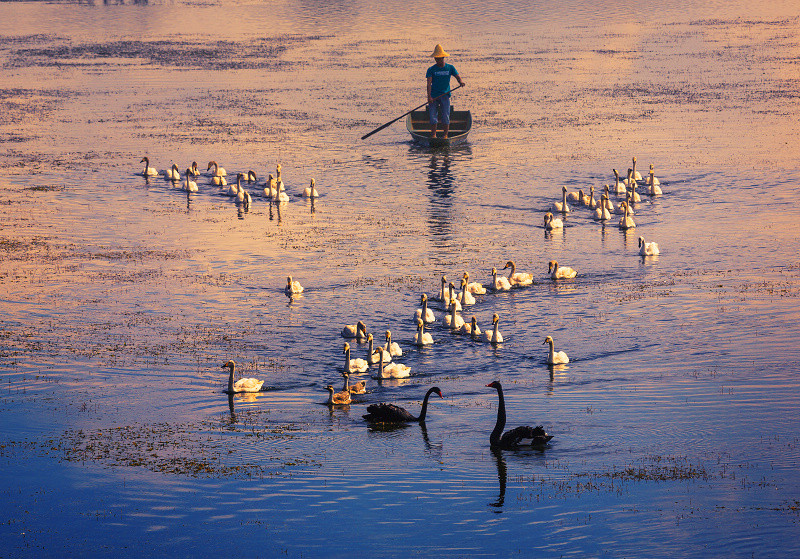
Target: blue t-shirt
(441,78)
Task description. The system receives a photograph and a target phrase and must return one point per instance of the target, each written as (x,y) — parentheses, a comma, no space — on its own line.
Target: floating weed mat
(204,449)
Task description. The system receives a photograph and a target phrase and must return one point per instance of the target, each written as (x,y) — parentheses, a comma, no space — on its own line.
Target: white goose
(356,365)
(172,174)
(148,170)
(376,354)
(422,338)
(648,249)
(292,286)
(189,185)
(626,221)
(551,222)
(358,331)
(391,370)
(560,272)
(602,213)
(243,384)
(465,297)
(311,190)
(562,206)
(424,313)
(218,171)
(500,283)
(555,357)
(392,347)
(493,336)
(474,287)
(452,320)
(518,279)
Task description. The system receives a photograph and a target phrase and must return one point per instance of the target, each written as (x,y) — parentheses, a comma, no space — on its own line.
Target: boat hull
(418,125)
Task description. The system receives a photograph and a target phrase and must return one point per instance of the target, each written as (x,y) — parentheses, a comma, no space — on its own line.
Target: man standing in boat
(439,90)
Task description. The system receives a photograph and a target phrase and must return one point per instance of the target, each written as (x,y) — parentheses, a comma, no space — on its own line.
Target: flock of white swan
(381,358)
(274,188)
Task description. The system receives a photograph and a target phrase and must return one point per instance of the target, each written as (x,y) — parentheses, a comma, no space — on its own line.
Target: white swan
(356,365)
(555,357)
(560,272)
(619,187)
(292,286)
(251,176)
(311,190)
(591,203)
(551,222)
(500,283)
(243,384)
(620,209)
(358,331)
(648,249)
(626,221)
(562,206)
(652,184)
(422,337)
(632,196)
(602,213)
(608,205)
(148,170)
(575,197)
(636,175)
(375,354)
(442,295)
(233,189)
(392,370)
(218,171)
(194,170)
(465,297)
(280,195)
(241,194)
(493,336)
(339,398)
(219,181)
(471,328)
(392,347)
(518,279)
(189,185)
(424,313)
(452,296)
(270,188)
(474,287)
(452,320)
(172,174)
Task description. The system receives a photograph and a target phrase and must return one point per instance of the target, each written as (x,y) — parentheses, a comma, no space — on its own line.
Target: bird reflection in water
(502,478)
(558,371)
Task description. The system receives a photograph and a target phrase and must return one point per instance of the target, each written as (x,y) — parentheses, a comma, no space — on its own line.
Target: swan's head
(251,175)
(188,172)
(466,276)
(451,286)
(651,167)
(496,385)
(361,326)
(239,178)
(510,264)
(194,164)
(634,162)
(641,241)
(616,174)
(211,164)
(329,388)
(174,167)
(495,318)
(229,365)
(444,280)
(463,283)
(474,321)
(289,281)
(605,189)
(423,298)
(145,160)
(548,340)
(435,390)
(346,348)
(494,271)
(388,334)
(548,217)
(552,265)
(419,324)
(369,337)
(564,189)
(313,184)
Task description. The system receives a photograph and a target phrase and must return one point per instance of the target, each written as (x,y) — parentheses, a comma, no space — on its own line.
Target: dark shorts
(443,104)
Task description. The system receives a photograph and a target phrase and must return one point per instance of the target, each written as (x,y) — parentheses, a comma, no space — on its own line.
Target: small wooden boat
(419,126)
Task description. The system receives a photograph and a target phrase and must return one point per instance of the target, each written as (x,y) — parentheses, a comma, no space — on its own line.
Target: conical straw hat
(438,52)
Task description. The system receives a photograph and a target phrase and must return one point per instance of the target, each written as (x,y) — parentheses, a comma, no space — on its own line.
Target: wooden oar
(382,126)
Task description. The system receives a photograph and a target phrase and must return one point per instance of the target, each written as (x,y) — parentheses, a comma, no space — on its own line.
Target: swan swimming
(555,357)
(422,338)
(392,347)
(471,328)
(311,190)
(338,398)
(558,272)
(218,171)
(648,249)
(517,279)
(626,221)
(452,320)
(243,384)
(562,206)
(356,365)
(424,313)
(551,222)
(474,287)
(619,187)
(376,354)
(358,331)
(602,213)
(391,370)
(519,437)
(148,170)
(189,185)
(390,413)
(465,297)
(500,283)
(358,388)
(172,174)
(652,184)
(292,286)
(493,336)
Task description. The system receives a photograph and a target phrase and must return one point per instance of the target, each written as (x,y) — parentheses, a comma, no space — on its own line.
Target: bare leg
(446,130)
(433,131)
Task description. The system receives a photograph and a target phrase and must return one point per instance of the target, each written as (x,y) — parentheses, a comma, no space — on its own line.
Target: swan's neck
(424,409)
(564,196)
(330,396)
(347,359)
(496,330)
(371,346)
(512,271)
(494,438)
(230,379)
(552,351)
(425,308)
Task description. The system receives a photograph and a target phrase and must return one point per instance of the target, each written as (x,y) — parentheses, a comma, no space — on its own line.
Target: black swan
(389,413)
(519,437)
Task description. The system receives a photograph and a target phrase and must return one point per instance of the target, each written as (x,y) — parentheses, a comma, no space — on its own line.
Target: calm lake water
(675,424)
